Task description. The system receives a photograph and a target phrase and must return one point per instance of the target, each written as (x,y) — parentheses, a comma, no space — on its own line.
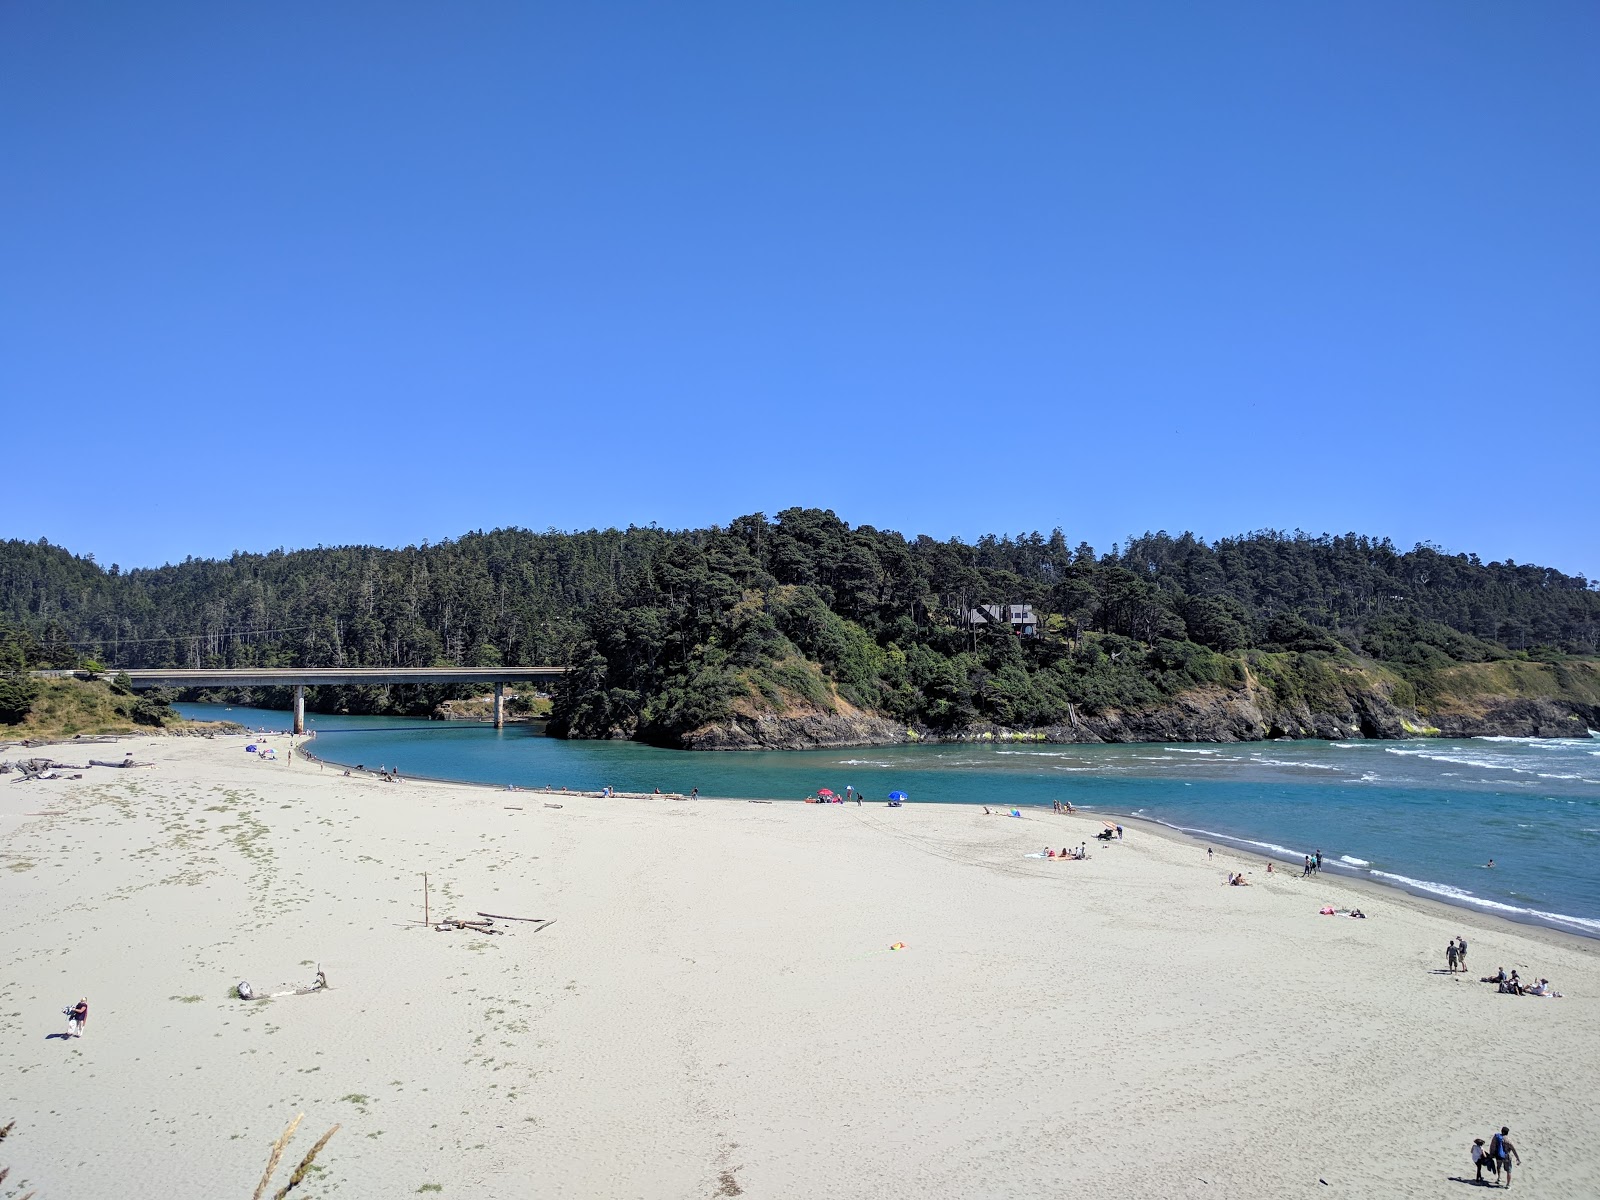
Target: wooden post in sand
(425,920)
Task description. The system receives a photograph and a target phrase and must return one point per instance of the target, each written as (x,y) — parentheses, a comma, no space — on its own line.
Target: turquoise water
(1423,815)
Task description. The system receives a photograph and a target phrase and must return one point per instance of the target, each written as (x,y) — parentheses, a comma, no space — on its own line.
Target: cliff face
(1517,699)
(1215,715)
(805,730)
(1367,709)
(1347,699)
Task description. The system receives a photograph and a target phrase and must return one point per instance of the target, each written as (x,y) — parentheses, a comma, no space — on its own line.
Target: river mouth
(1424,816)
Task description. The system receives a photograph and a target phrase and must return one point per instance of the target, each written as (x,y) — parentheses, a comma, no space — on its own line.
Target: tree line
(667,629)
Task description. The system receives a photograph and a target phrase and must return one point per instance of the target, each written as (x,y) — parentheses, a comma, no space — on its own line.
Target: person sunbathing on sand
(1239,880)
(1498,977)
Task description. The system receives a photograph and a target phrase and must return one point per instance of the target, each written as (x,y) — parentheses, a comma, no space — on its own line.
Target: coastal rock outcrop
(1520,718)
(810,730)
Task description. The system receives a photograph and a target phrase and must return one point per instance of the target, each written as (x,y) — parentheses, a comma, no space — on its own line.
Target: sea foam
(1462,896)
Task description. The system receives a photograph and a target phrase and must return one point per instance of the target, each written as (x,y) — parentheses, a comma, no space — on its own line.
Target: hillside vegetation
(802,630)
(66,708)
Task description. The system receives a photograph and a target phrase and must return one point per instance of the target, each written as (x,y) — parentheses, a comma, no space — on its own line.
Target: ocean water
(1426,816)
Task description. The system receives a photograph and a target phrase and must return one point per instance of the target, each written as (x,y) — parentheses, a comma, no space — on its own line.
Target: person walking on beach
(1481,1158)
(1307,869)
(1450,956)
(78,1017)
(1461,952)
(1502,1151)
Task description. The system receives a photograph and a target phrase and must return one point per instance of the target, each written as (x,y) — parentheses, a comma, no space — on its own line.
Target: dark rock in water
(801,731)
(1522,718)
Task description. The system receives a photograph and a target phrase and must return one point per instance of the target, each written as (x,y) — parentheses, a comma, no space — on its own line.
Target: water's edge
(1440,894)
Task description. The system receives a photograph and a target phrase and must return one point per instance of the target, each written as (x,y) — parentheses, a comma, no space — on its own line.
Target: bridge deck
(330,676)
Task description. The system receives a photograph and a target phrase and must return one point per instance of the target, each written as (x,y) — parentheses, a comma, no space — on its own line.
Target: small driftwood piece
(498,917)
(455,923)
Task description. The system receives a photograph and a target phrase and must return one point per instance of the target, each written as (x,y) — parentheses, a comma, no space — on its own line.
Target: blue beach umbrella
(901,796)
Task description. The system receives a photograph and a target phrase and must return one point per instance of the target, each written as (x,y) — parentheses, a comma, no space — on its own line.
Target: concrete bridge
(300,678)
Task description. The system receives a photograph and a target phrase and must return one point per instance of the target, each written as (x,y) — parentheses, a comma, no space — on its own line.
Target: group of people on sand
(1455,955)
(1313,864)
(1328,910)
(1497,1156)
(1079,854)
(1512,985)
(1062,806)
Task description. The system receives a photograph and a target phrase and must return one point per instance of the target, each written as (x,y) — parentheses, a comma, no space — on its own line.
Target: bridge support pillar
(499,705)
(299,708)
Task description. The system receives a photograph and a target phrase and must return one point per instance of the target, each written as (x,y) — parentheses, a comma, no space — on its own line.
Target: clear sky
(290,274)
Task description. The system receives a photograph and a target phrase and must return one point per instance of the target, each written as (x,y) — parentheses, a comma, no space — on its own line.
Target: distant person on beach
(1209,852)
(1450,956)
(694,793)
(1502,1151)
(1481,1158)
(1461,952)
(1306,870)
(78,1017)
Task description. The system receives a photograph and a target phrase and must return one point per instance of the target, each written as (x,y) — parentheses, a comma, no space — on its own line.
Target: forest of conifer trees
(669,630)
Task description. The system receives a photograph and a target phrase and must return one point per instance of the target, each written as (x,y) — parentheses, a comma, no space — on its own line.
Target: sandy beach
(716,1009)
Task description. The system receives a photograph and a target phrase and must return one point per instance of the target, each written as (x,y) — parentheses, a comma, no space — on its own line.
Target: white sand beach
(716,1009)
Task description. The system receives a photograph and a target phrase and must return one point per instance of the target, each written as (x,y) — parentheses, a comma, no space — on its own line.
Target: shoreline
(1555,923)
(721,996)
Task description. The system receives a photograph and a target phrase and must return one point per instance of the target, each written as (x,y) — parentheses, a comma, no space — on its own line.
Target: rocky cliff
(1363,706)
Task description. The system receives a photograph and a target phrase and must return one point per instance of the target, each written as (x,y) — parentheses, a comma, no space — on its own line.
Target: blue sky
(296,274)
